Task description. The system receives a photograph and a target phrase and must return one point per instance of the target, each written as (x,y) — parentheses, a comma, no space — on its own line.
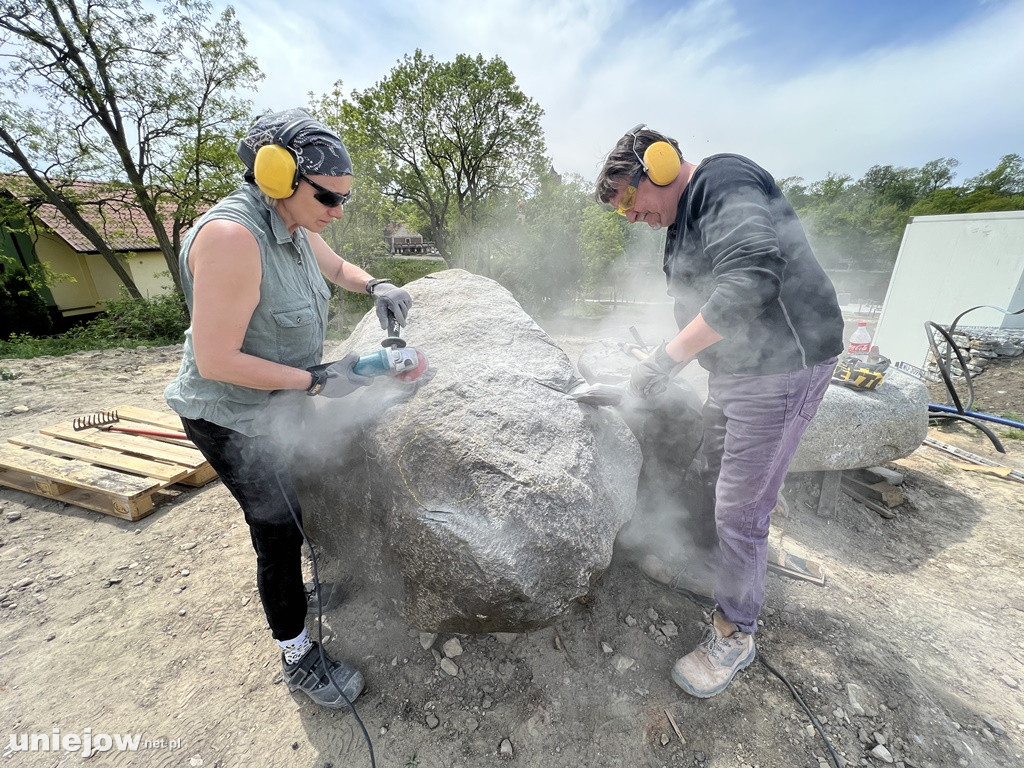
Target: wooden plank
(127,509)
(77,473)
(164,420)
(168,473)
(112,472)
(141,445)
(828,492)
(199,477)
(881,509)
(882,492)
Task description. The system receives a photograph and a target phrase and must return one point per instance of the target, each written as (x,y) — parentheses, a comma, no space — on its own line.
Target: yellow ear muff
(662,163)
(276,168)
(276,171)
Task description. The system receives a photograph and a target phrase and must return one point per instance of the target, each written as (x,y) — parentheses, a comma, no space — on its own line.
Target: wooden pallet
(112,472)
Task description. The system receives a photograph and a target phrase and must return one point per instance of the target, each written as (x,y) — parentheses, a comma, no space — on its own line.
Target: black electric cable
(996,442)
(943,360)
(833,755)
(320,619)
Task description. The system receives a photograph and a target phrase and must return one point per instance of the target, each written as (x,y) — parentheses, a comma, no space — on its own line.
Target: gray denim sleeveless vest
(288,325)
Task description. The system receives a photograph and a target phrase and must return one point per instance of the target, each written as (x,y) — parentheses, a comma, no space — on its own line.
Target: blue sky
(803,88)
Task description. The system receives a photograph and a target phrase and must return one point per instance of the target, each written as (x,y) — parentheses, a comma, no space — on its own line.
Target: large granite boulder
(855,428)
(481,499)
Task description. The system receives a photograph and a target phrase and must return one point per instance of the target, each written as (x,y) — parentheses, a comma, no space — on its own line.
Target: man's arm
(741,244)
(692,340)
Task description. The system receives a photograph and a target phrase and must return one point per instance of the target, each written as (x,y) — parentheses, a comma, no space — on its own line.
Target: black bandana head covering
(318,149)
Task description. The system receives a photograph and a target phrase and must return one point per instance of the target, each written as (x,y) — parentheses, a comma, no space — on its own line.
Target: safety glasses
(628,198)
(326,197)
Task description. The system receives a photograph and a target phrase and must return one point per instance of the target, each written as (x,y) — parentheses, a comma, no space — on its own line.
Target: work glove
(337,379)
(650,377)
(388,298)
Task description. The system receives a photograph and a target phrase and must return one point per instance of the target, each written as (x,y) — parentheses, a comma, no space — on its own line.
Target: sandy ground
(912,654)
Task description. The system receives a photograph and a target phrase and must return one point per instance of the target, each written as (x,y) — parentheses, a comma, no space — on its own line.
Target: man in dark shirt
(755,309)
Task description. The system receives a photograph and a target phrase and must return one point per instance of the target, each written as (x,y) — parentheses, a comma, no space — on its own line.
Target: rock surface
(482,499)
(854,429)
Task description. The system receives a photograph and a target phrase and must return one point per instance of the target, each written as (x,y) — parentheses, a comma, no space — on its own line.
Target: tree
(861,224)
(128,99)
(602,241)
(1005,180)
(359,235)
(448,137)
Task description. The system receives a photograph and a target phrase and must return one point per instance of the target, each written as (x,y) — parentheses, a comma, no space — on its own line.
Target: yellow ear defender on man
(661,162)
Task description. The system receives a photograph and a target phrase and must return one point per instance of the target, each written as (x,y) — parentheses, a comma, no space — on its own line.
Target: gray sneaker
(695,579)
(309,676)
(710,667)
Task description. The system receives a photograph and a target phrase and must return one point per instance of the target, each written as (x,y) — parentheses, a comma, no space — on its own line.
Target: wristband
(319,375)
(371,284)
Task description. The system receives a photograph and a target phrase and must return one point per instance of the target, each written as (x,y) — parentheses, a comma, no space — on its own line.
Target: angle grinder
(396,359)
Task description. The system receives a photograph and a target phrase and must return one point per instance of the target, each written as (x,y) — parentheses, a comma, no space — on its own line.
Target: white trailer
(948,264)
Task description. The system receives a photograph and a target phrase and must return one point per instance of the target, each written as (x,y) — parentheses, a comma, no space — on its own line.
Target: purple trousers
(752,427)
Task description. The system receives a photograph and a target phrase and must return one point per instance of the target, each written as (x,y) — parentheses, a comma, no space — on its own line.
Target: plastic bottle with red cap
(860,341)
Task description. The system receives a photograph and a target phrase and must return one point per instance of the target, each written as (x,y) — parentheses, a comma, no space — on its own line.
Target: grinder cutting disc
(414,373)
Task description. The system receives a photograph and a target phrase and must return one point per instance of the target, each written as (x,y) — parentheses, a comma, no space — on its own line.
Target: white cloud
(597,68)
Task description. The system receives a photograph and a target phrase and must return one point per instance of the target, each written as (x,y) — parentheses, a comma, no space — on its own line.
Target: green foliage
(860,224)
(602,244)
(533,246)
(128,96)
(347,308)
(359,236)
(160,320)
(449,138)
(21,308)
(126,322)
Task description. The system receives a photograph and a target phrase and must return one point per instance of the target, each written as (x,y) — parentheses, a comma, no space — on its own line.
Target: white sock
(295,649)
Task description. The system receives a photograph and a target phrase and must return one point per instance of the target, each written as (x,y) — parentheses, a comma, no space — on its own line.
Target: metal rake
(107,421)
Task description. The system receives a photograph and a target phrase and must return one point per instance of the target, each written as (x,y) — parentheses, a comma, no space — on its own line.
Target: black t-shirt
(737,254)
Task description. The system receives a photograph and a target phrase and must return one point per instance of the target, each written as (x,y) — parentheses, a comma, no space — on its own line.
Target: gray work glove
(337,379)
(650,377)
(388,298)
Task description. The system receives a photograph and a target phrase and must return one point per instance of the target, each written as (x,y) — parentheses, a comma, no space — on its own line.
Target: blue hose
(976,415)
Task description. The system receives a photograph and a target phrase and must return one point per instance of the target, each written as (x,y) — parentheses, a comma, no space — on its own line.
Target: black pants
(251,470)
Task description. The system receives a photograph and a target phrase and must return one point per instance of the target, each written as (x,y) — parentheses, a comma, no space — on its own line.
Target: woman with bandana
(254,271)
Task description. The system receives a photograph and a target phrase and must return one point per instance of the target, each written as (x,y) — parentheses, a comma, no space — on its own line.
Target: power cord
(943,361)
(833,755)
(320,619)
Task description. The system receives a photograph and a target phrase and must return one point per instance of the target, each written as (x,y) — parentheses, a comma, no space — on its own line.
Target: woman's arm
(334,268)
(226,272)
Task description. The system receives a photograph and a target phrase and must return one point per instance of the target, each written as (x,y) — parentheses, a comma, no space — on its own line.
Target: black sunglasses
(326,197)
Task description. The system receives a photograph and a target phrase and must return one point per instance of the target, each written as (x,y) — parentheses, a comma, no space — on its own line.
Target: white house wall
(149,270)
(947,264)
(93,280)
(71,296)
